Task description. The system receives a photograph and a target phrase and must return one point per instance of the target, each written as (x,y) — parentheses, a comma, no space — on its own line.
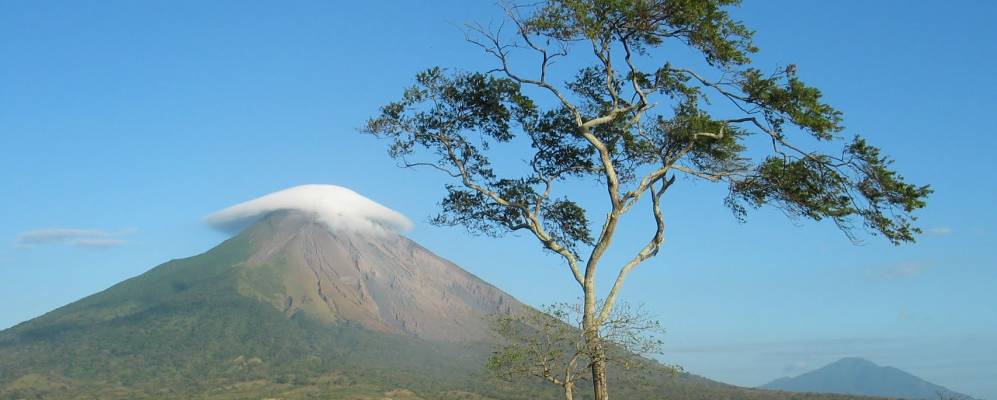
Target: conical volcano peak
(858,376)
(273,233)
(381,281)
(341,209)
(285,220)
(291,222)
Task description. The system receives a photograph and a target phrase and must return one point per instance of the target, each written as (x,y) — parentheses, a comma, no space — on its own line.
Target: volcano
(285,298)
(381,281)
(289,308)
(853,375)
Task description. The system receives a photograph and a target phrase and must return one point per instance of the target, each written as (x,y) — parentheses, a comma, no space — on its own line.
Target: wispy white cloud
(99,242)
(940,231)
(71,236)
(335,206)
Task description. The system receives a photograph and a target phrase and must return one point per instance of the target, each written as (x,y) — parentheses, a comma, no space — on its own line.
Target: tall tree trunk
(599,383)
(569,391)
(594,344)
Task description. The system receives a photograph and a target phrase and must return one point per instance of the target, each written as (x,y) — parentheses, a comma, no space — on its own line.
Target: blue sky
(139,118)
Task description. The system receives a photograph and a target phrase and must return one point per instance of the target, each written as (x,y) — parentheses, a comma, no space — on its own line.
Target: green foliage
(701,24)
(784,96)
(806,187)
(457,118)
(549,345)
(540,344)
(606,127)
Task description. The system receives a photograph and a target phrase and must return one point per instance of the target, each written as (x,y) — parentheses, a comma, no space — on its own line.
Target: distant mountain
(292,309)
(861,377)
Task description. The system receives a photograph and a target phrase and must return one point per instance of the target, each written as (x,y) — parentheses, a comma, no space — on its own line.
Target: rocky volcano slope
(381,281)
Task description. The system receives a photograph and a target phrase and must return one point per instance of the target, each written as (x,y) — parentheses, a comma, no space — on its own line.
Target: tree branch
(649,250)
(533,221)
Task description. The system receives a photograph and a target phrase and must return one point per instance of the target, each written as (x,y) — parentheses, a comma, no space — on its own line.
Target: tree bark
(599,384)
(593,342)
(569,389)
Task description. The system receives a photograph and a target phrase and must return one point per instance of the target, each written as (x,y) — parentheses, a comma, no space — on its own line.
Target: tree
(549,344)
(775,143)
(950,396)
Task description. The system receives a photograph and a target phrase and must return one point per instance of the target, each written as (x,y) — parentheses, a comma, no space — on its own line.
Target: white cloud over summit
(335,206)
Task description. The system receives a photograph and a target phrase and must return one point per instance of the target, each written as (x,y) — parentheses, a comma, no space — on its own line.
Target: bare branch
(649,250)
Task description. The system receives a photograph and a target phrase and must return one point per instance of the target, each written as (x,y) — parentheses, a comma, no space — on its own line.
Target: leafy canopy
(633,129)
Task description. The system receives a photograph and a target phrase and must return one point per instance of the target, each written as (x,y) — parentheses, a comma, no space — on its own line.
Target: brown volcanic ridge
(381,281)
